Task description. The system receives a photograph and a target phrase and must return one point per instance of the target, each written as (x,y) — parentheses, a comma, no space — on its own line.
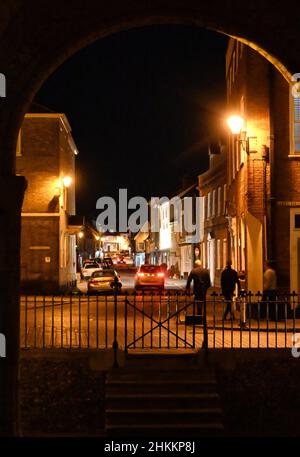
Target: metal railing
(152,321)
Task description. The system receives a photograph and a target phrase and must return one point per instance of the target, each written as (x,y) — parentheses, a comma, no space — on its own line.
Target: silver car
(88,269)
(103,281)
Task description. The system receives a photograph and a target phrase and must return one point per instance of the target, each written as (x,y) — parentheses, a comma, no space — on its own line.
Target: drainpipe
(272,202)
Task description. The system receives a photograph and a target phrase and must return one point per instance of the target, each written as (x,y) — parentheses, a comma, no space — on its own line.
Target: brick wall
(39,163)
(39,253)
(46,156)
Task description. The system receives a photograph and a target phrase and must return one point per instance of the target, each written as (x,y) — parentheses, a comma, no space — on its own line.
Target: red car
(120,260)
(150,276)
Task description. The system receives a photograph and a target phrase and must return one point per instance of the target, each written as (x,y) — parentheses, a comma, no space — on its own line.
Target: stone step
(169,430)
(139,417)
(159,386)
(166,400)
(180,375)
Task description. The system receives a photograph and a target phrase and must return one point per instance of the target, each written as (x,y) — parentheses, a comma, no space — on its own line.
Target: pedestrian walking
(229,280)
(243,300)
(269,291)
(201,279)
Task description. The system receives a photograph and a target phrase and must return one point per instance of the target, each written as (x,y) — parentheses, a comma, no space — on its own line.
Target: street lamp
(235,123)
(80,235)
(237,127)
(67,181)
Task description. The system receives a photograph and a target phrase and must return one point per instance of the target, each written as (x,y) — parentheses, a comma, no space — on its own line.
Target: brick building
(213,224)
(188,242)
(263,206)
(46,157)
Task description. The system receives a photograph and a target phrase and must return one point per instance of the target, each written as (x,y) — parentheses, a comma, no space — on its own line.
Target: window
(204,208)
(219,261)
(235,144)
(203,255)
(202,216)
(208,205)
(224,198)
(296,125)
(297,221)
(219,205)
(213,210)
(224,252)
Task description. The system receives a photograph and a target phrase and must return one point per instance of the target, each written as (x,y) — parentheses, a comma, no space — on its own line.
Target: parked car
(103,281)
(150,276)
(108,261)
(88,269)
(121,260)
(105,262)
(86,261)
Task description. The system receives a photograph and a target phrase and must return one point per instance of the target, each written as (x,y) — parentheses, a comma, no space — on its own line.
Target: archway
(36,38)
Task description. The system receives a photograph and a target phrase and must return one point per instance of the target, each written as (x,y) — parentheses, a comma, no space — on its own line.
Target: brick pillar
(12,190)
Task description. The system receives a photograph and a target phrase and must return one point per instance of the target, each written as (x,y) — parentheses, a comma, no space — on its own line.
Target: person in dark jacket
(229,280)
(201,278)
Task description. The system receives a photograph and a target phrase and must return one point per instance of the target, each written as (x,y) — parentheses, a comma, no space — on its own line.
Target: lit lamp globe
(80,235)
(236,124)
(67,181)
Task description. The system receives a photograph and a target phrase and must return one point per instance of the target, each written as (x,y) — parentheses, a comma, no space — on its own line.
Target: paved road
(127,276)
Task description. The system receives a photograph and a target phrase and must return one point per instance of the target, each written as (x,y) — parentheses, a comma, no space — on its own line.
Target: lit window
(296,109)
(219,211)
(213,203)
(224,252)
(203,250)
(219,262)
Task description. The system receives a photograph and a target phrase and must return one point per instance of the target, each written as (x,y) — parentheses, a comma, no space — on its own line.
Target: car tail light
(140,275)
(160,275)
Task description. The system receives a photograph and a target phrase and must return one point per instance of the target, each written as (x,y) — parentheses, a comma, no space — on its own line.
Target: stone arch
(40,36)
(36,37)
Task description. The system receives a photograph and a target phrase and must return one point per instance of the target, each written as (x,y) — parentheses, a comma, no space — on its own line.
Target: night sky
(143,106)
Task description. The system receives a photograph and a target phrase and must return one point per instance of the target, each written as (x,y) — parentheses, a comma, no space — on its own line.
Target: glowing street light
(80,235)
(236,124)
(67,181)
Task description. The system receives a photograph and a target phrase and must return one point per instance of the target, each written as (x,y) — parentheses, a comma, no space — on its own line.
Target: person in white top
(270,289)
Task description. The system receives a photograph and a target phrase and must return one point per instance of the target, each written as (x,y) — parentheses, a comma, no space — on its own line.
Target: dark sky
(143,105)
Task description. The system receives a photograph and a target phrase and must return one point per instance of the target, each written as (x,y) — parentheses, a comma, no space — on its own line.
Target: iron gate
(163,321)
